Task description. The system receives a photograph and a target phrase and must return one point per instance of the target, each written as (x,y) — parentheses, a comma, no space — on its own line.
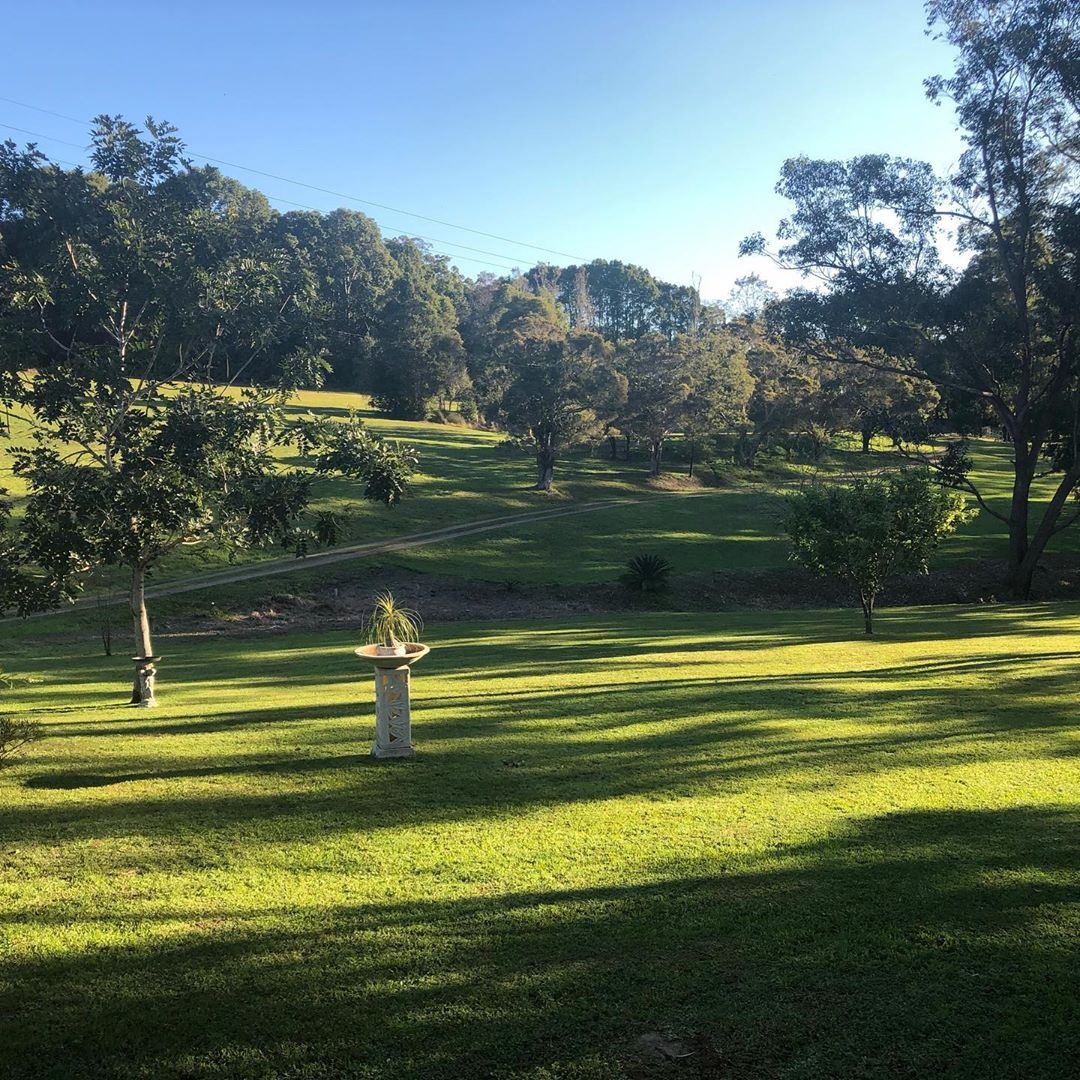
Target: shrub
(15,733)
(647,573)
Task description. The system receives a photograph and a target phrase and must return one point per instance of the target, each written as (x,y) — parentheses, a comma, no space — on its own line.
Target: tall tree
(351,270)
(784,391)
(696,382)
(419,351)
(1002,332)
(117,289)
(555,387)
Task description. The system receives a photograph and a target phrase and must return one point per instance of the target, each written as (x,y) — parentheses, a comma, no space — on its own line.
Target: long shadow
(661,739)
(921,944)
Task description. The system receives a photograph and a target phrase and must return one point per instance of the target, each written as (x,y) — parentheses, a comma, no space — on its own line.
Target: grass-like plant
(647,573)
(390,624)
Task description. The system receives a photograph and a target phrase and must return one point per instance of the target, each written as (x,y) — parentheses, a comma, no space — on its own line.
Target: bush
(647,573)
(15,733)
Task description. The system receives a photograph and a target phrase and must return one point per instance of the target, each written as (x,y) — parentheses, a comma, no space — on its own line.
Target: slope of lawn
(467,476)
(796,852)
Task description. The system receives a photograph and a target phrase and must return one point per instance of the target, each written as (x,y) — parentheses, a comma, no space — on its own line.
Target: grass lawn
(465,477)
(801,853)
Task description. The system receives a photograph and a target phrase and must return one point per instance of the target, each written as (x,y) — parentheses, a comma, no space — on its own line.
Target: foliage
(418,350)
(997,338)
(647,573)
(390,624)
(546,384)
(693,383)
(16,732)
(122,287)
(872,528)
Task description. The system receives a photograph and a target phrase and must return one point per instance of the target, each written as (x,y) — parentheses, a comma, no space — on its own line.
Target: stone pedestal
(142,690)
(393,716)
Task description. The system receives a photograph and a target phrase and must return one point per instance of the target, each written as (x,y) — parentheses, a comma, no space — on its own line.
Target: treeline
(554,355)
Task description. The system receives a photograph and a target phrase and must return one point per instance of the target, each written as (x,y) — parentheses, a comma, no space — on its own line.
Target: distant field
(465,477)
(796,852)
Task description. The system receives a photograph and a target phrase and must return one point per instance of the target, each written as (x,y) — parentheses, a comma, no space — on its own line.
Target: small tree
(866,531)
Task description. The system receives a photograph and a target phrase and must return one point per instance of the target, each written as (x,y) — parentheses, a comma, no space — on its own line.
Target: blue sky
(643,131)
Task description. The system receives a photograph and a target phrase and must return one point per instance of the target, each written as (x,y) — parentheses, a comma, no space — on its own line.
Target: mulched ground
(344,603)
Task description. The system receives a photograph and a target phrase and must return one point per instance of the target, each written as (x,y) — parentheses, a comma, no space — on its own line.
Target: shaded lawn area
(803,853)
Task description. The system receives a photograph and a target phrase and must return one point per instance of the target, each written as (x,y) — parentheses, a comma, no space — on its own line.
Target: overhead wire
(504,265)
(329,191)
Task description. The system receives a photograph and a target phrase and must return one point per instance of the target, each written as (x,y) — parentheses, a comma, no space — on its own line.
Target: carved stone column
(393,714)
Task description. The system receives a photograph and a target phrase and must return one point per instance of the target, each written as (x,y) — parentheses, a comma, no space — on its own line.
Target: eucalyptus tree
(118,288)
(783,395)
(549,386)
(692,383)
(999,334)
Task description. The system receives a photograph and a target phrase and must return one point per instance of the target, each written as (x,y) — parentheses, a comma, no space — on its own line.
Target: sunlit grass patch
(823,855)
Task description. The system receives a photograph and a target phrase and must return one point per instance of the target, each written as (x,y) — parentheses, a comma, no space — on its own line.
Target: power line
(328,191)
(433,240)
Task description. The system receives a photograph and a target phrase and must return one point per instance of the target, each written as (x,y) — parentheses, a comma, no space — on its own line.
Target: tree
(749,297)
(350,270)
(698,383)
(120,285)
(999,335)
(783,395)
(554,387)
(418,352)
(870,529)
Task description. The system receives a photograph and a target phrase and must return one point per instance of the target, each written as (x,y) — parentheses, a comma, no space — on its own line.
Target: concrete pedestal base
(393,713)
(393,716)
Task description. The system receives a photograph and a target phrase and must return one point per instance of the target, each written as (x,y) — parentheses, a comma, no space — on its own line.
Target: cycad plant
(647,573)
(391,625)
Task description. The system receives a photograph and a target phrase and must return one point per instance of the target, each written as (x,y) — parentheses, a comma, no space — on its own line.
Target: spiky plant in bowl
(390,627)
(646,573)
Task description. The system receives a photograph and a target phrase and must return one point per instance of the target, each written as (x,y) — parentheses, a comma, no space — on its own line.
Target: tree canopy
(121,287)
(997,338)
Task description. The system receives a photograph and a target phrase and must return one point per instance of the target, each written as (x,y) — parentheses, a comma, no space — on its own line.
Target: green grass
(465,477)
(823,856)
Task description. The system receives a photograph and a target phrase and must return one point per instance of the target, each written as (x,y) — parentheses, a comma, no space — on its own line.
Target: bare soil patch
(343,603)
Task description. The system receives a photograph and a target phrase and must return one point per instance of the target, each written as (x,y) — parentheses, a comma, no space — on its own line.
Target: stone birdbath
(393,718)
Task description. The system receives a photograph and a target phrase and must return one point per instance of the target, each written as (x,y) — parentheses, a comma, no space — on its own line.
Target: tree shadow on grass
(910,945)
(564,747)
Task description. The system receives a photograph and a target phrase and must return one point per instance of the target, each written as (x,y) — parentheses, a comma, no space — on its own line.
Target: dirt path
(290,564)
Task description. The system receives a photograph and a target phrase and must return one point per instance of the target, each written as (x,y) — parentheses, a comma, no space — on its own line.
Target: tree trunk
(867,437)
(1024,555)
(545,469)
(656,453)
(142,690)
(614,448)
(690,471)
(627,446)
(867,602)
(746,450)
